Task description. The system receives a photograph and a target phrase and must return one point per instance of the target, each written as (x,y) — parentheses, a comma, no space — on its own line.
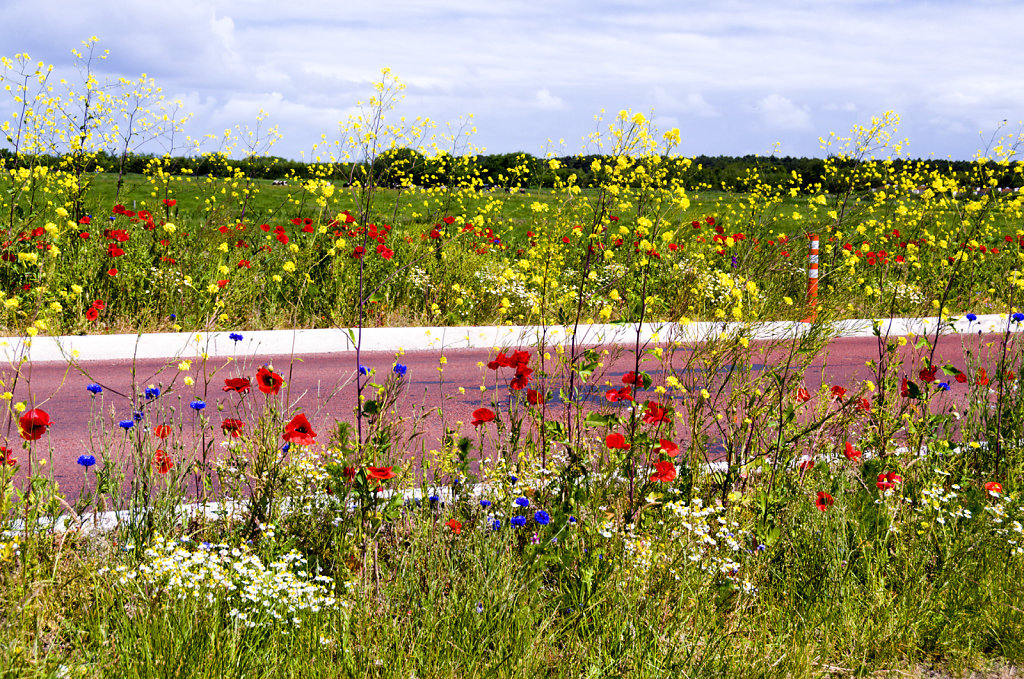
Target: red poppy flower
(664,472)
(863,404)
(824,501)
(521,379)
(380,473)
(162,461)
(993,487)
(99,305)
(838,392)
(384,251)
(807,464)
(161,431)
(111,272)
(928,374)
(961,378)
(616,441)
(268,381)
(299,431)
(7,456)
(455,525)
(91,314)
(232,426)
(802,395)
(982,377)
(500,361)
(655,413)
(349,473)
(667,447)
(633,379)
(851,453)
(239,385)
(888,480)
(482,416)
(622,394)
(33,424)
(170,202)
(534,397)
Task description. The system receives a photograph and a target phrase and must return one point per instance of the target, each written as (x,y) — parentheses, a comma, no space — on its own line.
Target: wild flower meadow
(687,515)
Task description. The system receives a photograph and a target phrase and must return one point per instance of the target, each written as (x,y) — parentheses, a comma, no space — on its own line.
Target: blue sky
(735,77)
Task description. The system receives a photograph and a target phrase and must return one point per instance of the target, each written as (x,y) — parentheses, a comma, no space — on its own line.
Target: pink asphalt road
(322,387)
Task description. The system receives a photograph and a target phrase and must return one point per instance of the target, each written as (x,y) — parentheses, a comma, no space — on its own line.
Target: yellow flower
(288,266)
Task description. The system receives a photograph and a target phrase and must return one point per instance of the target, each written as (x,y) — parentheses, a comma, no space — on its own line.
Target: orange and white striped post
(812,279)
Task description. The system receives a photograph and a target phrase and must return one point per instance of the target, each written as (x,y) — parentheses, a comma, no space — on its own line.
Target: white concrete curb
(333,340)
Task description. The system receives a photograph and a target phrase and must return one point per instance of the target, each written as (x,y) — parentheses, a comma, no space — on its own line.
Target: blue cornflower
(479,607)
(518,521)
(126,424)
(485,503)
(363,370)
(235,337)
(137,416)
(197,404)
(944,386)
(972,317)
(496,524)
(400,369)
(152,392)
(735,262)
(522,502)
(286,447)
(94,388)
(434,498)
(1017,317)
(87,460)
(174,317)
(542,517)
(572,519)
(513,479)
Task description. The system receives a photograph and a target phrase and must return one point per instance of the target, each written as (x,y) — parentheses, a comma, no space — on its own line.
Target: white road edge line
(84,348)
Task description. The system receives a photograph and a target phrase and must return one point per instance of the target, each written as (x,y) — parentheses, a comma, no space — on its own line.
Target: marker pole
(812,279)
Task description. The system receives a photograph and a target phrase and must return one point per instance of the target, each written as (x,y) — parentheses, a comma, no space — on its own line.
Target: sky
(736,77)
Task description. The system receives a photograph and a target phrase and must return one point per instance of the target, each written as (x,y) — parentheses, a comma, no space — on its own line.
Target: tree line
(407,167)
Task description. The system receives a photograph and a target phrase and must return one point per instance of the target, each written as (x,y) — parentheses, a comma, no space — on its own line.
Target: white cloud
(692,103)
(778,111)
(548,101)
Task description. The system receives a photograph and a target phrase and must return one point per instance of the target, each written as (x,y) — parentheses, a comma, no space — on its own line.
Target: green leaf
(599,420)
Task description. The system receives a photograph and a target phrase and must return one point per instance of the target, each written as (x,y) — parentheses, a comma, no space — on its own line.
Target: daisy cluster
(1008,515)
(258,593)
